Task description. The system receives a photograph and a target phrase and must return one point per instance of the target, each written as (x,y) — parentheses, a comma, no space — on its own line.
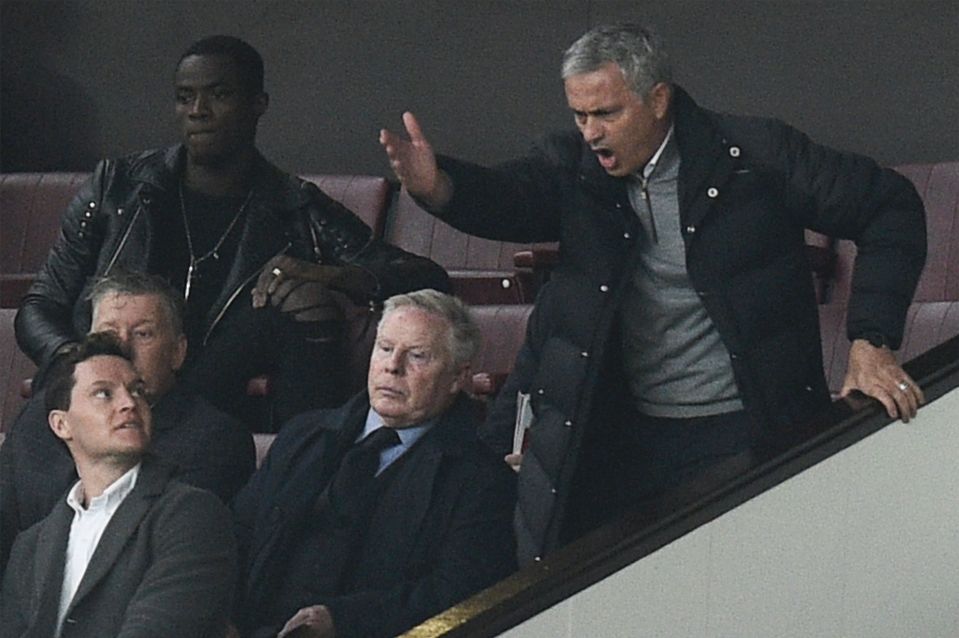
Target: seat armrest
(536,258)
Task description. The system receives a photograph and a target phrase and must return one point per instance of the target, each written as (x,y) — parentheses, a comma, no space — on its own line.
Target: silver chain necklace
(213,252)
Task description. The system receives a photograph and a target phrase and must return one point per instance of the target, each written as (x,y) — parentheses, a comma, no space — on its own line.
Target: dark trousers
(647,465)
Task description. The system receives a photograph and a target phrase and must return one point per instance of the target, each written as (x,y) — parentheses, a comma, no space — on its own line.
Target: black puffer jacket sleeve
(850,196)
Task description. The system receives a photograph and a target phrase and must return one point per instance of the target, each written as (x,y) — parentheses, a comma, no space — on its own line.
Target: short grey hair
(637,50)
(464,334)
(129,283)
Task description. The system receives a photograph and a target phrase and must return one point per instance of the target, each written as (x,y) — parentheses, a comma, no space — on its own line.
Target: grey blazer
(165,566)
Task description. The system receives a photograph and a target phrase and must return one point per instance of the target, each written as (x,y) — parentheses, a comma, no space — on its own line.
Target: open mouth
(605,156)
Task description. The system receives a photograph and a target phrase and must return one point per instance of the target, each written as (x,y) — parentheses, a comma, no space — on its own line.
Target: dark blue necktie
(351,490)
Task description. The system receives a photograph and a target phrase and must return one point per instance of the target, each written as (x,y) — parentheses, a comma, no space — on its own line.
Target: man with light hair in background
(206,447)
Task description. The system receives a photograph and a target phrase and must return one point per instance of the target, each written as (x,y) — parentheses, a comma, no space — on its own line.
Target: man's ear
(660,97)
(59,424)
(179,353)
(261,102)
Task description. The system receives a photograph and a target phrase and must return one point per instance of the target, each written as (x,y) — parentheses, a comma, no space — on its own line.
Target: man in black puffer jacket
(680,328)
(216,219)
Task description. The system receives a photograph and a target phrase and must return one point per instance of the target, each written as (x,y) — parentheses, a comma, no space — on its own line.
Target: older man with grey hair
(367,519)
(207,448)
(680,327)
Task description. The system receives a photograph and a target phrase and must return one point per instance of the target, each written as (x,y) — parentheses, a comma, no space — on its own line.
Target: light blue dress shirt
(408,436)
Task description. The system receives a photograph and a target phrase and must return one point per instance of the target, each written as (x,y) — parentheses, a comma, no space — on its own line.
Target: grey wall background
(84,79)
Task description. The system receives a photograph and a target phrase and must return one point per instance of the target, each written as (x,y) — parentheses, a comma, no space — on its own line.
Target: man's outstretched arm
(414,163)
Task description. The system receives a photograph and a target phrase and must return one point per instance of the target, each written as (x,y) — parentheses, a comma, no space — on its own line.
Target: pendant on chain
(190,271)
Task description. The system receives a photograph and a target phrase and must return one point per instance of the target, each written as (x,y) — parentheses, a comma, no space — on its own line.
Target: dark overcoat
(440,531)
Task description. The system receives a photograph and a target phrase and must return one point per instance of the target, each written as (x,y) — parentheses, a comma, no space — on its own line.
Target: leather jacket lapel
(150,203)
(265,234)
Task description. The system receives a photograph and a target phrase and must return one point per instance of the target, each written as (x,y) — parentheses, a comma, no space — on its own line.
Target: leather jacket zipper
(229,302)
(123,240)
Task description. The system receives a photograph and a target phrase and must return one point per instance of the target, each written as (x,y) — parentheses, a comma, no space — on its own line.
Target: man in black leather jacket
(212,215)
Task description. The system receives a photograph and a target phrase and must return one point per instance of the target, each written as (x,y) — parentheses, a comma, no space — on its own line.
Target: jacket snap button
(626,235)
(120,211)
(604,288)
(584,354)
(88,214)
(690,229)
(568,423)
(541,391)
(734,151)
(552,490)
(712,193)
(91,204)
(505,283)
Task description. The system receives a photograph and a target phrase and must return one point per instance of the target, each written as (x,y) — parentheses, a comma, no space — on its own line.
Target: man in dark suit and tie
(128,551)
(368,519)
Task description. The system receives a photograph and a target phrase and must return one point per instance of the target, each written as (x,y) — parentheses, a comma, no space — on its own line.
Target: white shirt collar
(110,498)
(651,164)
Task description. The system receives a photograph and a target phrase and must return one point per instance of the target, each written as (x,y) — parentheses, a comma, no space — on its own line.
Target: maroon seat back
(933,317)
(938,186)
(482,270)
(31,205)
(928,324)
(14,368)
(366,195)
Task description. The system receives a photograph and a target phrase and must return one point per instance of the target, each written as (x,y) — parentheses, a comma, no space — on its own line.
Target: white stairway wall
(862,545)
